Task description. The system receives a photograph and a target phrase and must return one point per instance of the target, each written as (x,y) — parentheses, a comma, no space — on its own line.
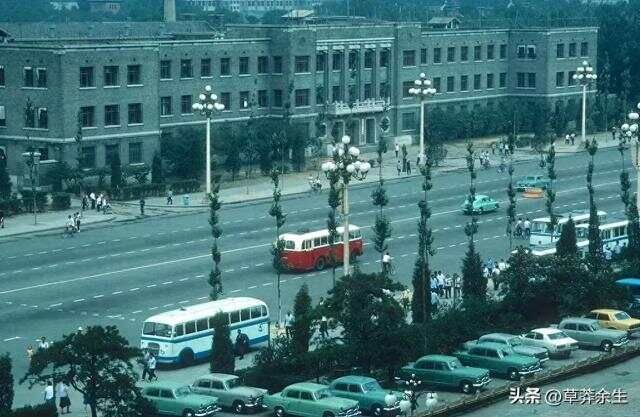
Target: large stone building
(129,82)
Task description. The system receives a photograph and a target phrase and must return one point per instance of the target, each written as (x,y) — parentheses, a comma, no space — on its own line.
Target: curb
(49,230)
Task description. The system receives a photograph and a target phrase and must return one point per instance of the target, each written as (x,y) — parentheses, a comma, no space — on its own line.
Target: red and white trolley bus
(311,250)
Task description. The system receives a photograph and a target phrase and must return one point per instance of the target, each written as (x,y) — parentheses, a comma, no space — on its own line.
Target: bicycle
(389,269)
(315,185)
(68,232)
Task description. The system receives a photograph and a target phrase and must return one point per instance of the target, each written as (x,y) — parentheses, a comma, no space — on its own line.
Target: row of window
(561,80)
(205,324)
(111,76)
(34,118)
(526,80)
(88,159)
(111,115)
(463,84)
(409,56)
(573,50)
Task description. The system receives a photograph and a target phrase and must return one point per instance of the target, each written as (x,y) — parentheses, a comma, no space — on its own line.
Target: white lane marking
(79,300)
(183,302)
(101,243)
(9,339)
(167,282)
(151,285)
(234,291)
(183,279)
(136,312)
(252,287)
(168,305)
(98,296)
(55,305)
(43,252)
(52,266)
(116,292)
(101,257)
(134,289)
(29,254)
(116,240)
(266,284)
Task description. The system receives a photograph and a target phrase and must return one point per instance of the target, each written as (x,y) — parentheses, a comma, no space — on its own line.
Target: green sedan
(498,359)
(481,204)
(174,399)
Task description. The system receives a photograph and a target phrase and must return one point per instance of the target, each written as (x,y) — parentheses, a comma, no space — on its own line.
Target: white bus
(185,335)
(541,227)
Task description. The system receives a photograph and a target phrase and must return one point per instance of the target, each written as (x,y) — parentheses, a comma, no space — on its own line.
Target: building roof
(101,30)
(298,14)
(442,20)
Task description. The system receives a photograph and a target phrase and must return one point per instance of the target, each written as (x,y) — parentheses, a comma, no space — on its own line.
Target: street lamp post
(632,131)
(207,104)
(422,91)
(32,160)
(584,75)
(346,166)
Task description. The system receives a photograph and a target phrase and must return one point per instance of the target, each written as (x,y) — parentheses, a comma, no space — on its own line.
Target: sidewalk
(260,188)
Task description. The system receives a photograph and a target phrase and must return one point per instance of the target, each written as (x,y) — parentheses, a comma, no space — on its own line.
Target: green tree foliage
(631,255)
(303,320)
(5,181)
(332,222)
(222,358)
(233,160)
(98,363)
(421,299)
(276,212)
(184,150)
(116,171)
(474,284)
(550,194)
(567,244)
(596,255)
(6,384)
(215,276)
(157,173)
(511,208)
(381,227)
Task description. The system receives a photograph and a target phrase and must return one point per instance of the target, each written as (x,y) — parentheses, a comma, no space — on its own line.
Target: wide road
(123,273)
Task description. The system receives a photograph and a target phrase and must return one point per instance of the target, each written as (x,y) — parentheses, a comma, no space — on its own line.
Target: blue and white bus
(541,227)
(185,335)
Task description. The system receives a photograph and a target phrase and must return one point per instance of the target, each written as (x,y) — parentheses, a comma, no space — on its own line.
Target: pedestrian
(242,344)
(434,282)
(502,265)
(288,324)
(1,220)
(142,203)
(435,300)
(613,133)
(30,353)
(42,343)
(99,202)
(397,149)
(418,160)
(457,285)
(440,283)
(62,392)
(151,366)
(85,203)
(324,327)
(92,197)
(386,263)
(408,167)
(77,222)
(573,139)
(49,396)
(145,364)
(447,286)
(169,197)
(399,167)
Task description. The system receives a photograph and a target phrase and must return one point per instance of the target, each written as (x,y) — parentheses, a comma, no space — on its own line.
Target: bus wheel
(321,263)
(186,358)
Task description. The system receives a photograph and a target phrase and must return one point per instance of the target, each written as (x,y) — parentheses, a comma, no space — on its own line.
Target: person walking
(447,286)
(324,327)
(151,366)
(1,220)
(399,167)
(92,197)
(85,203)
(99,202)
(62,392)
(242,344)
(397,149)
(30,353)
(42,343)
(142,203)
(408,167)
(77,217)
(288,324)
(145,364)
(169,197)
(49,395)
(386,263)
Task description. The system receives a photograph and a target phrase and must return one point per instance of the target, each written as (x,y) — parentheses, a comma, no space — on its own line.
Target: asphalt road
(123,273)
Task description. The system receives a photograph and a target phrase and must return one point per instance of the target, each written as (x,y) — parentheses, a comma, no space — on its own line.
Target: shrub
(11,206)
(184,187)
(523,141)
(27,200)
(42,410)
(60,201)
(139,190)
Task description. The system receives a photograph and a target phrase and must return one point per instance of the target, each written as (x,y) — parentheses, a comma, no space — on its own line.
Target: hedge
(27,200)
(184,187)
(11,206)
(140,190)
(42,410)
(60,201)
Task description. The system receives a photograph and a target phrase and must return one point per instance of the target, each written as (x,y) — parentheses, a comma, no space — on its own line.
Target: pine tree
(551,195)
(303,320)
(511,192)
(631,211)
(421,299)
(222,358)
(5,181)
(116,171)
(332,222)
(596,256)
(6,384)
(157,174)
(381,227)
(215,277)
(276,212)
(567,244)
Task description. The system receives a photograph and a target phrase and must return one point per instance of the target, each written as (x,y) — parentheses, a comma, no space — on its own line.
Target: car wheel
(186,358)
(238,407)
(188,413)
(279,412)
(327,414)
(606,346)
(514,375)
(376,410)
(466,387)
(321,263)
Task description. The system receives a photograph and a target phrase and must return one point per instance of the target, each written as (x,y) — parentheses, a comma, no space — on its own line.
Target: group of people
(148,363)
(484,159)
(61,392)
(491,268)
(445,286)
(403,164)
(523,228)
(98,202)
(73,223)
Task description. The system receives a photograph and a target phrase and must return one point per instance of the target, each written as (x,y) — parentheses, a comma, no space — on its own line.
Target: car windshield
(455,364)
(514,341)
(233,382)
(557,335)
(183,391)
(289,244)
(156,329)
(622,316)
(323,393)
(371,386)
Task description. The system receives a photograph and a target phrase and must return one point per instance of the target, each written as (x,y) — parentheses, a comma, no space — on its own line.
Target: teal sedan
(369,394)
(481,204)
(174,399)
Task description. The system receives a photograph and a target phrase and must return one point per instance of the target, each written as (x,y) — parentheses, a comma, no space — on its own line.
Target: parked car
(515,343)
(369,394)
(532,181)
(230,391)
(554,340)
(616,319)
(446,371)
(175,399)
(310,400)
(481,204)
(588,332)
(499,360)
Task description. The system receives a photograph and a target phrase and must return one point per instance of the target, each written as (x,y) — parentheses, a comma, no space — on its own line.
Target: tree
(233,161)
(567,244)
(474,284)
(421,300)
(184,151)
(215,276)
(157,173)
(332,223)
(631,212)
(222,358)
(381,227)
(303,320)
(276,212)
(116,171)
(98,363)
(5,181)
(595,256)
(511,209)
(551,195)
(6,384)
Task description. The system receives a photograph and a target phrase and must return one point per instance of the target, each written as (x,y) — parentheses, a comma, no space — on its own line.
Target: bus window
(324,240)
(234,317)
(156,329)
(245,314)
(306,244)
(190,327)
(179,330)
(289,244)
(202,325)
(264,310)
(316,241)
(256,312)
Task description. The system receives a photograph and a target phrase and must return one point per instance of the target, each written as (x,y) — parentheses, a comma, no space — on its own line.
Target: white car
(555,341)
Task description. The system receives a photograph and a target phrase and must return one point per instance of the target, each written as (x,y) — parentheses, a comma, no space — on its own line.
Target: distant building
(254,6)
(105,6)
(445,22)
(64,5)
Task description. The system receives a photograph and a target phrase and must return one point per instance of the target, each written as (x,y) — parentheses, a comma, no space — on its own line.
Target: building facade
(127,83)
